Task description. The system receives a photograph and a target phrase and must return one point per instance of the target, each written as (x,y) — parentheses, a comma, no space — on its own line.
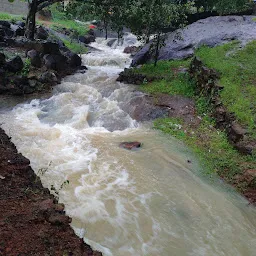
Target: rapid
(151,201)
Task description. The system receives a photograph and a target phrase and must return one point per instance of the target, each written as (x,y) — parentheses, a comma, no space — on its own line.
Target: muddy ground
(31,220)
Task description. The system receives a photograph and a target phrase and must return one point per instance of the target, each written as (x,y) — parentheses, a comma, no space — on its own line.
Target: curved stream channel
(145,202)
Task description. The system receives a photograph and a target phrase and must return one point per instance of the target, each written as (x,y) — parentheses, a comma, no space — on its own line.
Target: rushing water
(145,202)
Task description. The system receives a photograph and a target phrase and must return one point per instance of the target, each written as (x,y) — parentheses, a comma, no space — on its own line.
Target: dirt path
(31,221)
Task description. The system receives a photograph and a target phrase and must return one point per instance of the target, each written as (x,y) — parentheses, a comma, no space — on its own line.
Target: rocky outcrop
(41,64)
(34,57)
(129,76)
(212,31)
(132,50)
(14,65)
(208,85)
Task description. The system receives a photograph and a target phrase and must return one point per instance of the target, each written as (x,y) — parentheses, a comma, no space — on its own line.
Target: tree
(103,10)
(118,17)
(35,6)
(221,6)
(155,18)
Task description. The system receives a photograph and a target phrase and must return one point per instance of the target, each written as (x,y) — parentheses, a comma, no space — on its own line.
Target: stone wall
(17,7)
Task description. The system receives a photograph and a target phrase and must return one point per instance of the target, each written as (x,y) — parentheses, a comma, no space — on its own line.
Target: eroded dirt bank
(31,221)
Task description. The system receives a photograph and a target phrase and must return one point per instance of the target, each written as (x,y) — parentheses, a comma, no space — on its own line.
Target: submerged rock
(130,145)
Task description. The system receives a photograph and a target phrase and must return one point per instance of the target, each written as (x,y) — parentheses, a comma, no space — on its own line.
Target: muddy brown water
(146,202)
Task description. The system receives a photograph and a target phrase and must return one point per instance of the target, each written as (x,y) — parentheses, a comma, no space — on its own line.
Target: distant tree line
(147,19)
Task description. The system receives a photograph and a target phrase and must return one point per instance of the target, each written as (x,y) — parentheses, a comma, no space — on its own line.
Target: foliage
(80,10)
(221,6)
(26,67)
(154,18)
(58,12)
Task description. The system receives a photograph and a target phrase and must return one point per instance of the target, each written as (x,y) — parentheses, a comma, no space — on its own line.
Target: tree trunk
(148,35)
(106,29)
(31,20)
(157,48)
(119,35)
(106,32)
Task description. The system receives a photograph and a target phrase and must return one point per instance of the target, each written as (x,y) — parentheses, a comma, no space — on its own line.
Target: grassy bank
(237,69)
(9,17)
(238,76)
(58,24)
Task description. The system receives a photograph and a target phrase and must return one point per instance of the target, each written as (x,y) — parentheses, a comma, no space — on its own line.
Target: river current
(152,201)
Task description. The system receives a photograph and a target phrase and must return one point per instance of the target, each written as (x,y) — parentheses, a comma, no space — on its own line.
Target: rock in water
(130,145)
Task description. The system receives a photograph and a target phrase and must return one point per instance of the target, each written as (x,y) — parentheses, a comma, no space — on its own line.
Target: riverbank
(31,220)
(218,120)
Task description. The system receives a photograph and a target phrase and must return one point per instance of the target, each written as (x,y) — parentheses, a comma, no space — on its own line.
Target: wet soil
(31,220)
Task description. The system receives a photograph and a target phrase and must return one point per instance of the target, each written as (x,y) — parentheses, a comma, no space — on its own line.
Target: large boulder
(2,59)
(212,31)
(131,50)
(55,61)
(46,47)
(18,31)
(73,59)
(48,77)
(41,33)
(87,39)
(5,23)
(6,31)
(14,65)
(20,23)
(34,57)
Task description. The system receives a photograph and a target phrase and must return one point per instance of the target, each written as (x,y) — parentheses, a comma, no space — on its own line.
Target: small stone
(15,64)
(59,220)
(130,145)
(59,207)
(46,205)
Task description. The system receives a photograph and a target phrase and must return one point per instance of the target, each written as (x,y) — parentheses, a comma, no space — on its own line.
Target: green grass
(171,81)
(164,68)
(10,17)
(78,29)
(61,20)
(238,76)
(179,85)
(75,47)
(211,146)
